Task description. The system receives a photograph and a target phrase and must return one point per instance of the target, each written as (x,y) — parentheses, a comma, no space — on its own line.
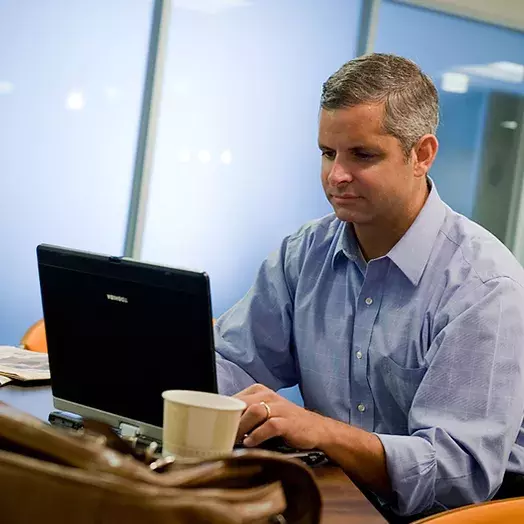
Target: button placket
(369,300)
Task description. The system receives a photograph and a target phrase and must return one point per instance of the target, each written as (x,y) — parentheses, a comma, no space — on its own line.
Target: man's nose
(339,174)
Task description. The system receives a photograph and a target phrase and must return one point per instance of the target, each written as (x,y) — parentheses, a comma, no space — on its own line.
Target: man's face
(365,174)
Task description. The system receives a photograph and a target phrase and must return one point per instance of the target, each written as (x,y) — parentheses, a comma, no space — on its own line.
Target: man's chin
(346,215)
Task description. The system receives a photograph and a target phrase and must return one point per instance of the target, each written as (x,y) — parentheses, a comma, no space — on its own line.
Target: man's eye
(330,155)
(365,156)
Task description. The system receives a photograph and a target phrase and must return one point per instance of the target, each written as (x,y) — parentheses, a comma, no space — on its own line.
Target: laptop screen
(120,332)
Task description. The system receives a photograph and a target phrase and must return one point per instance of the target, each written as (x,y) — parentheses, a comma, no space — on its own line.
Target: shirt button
(359,354)
(361,408)
(369,301)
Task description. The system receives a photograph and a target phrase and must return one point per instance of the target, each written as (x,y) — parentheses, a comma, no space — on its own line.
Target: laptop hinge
(128,430)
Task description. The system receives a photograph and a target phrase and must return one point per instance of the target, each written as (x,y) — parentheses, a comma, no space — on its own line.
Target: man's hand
(358,452)
(300,428)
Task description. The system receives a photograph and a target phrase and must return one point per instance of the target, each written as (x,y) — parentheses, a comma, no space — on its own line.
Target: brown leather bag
(51,475)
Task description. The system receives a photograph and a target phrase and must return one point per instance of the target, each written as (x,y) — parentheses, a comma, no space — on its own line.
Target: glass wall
(237,165)
(71,78)
(479,71)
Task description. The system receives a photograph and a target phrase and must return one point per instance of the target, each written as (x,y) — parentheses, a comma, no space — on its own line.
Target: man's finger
(272,428)
(256,398)
(250,390)
(254,415)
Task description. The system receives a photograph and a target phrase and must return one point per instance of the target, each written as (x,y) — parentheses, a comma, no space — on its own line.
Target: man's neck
(376,240)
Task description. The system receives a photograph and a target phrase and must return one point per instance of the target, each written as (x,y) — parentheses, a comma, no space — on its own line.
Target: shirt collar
(411,253)
(347,244)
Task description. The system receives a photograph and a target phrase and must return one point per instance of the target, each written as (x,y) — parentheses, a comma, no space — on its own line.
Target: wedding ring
(268,410)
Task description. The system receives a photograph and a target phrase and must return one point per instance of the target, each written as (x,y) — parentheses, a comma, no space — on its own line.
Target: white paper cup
(198,424)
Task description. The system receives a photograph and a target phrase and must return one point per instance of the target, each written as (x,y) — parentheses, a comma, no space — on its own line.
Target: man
(401,320)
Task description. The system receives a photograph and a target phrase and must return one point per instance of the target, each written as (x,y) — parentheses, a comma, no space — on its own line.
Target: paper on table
(21,364)
(4,380)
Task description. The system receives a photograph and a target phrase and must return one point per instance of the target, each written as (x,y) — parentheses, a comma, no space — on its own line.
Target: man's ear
(424,153)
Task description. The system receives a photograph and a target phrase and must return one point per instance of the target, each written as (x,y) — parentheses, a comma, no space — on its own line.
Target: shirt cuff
(411,465)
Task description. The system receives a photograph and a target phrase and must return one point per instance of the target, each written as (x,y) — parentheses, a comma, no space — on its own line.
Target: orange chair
(34,338)
(509,511)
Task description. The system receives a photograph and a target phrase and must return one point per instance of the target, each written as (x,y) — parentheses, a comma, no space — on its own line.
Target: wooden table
(343,502)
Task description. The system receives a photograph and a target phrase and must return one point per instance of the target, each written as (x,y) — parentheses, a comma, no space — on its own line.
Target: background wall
(236,166)
(470,62)
(71,77)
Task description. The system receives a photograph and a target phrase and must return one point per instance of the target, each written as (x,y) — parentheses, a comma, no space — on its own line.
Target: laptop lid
(119,332)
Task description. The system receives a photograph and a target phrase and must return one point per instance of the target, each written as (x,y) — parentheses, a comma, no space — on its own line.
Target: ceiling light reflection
(204,156)
(455,82)
(226,157)
(75,101)
(6,88)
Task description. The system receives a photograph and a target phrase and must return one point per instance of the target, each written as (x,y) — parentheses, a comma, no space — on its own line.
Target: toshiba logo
(116,298)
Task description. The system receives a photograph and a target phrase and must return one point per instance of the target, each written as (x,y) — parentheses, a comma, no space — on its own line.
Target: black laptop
(120,332)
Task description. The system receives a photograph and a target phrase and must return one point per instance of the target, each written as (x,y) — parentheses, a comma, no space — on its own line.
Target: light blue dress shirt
(423,346)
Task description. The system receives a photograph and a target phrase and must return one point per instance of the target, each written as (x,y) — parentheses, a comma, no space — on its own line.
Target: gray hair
(411,107)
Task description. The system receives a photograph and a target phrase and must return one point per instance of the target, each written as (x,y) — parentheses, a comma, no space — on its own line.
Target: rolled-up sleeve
(469,406)
(253,340)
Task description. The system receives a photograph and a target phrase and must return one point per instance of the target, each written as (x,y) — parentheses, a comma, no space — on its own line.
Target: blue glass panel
(492,60)
(440,42)
(237,165)
(71,77)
